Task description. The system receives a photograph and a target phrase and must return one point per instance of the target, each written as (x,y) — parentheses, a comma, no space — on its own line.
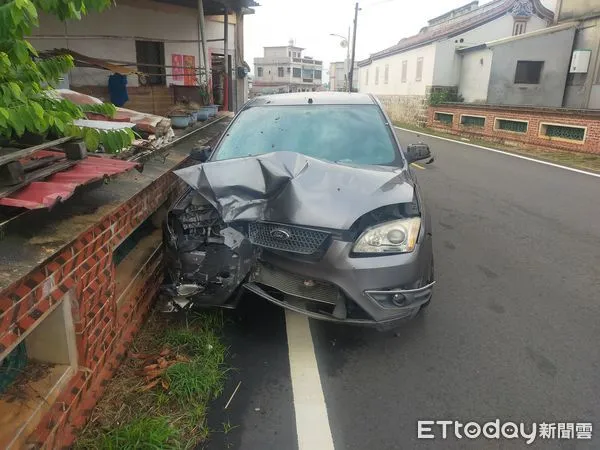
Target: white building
(431,58)
(338,76)
(284,69)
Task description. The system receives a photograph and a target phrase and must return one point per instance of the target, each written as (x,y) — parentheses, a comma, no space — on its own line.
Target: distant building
(284,69)
(430,58)
(404,75)
(530,69)
(338,76)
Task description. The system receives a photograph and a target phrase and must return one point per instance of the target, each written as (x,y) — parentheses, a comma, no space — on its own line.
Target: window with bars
(520,27)
(472,121)
(404,71)
(366,77)
(419,76)
(566,132)
(386,74)
(259,71)
(297,73)
(280,72)
(444,118)
(516,126)
(376,75)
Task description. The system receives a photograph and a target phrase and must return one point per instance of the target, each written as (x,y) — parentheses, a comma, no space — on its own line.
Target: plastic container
(180,121)
(204,113)
(214,110)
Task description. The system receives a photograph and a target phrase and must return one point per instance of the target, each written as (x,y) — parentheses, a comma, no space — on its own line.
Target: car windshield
(354,134)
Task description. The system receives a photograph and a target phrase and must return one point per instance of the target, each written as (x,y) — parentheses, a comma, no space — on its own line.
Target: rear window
(338,133)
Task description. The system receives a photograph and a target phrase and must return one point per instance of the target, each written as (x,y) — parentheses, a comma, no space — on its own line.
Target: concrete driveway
(513,332)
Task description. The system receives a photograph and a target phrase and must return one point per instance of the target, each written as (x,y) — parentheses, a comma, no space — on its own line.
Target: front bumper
(373,291)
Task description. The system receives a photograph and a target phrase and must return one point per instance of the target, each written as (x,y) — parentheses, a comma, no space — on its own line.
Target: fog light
(399,300)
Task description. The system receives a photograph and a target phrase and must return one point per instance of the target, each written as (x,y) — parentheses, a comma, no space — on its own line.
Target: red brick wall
(533,115)
(103,330)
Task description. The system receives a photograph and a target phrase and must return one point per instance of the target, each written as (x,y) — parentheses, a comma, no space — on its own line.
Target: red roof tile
(60,186)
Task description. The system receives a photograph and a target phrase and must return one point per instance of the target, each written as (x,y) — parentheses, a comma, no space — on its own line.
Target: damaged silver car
(309,201)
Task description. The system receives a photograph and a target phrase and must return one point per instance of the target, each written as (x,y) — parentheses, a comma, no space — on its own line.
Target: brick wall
(103,329)
(535,117)
(405,108)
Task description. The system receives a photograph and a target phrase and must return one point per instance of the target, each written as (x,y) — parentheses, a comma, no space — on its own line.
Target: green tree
(26,99)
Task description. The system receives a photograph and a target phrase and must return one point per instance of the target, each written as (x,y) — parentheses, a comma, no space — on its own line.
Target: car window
(339,133)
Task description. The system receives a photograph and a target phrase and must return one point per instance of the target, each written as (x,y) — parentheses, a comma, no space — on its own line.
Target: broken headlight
(398,236)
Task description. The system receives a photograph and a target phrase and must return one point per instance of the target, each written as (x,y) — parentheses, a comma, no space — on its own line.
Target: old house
(173,42)
(403,75)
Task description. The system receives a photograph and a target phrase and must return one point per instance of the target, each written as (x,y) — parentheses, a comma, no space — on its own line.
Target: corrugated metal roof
(60,186)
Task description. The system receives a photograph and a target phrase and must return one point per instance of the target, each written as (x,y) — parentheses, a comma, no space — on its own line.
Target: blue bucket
(180,121)
(204,113)
(214,109)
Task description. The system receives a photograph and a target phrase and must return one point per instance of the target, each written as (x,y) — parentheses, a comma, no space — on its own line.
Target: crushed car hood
(288,187)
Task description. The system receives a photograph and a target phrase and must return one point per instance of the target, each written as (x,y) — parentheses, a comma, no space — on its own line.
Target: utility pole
(349,89)
(351,72)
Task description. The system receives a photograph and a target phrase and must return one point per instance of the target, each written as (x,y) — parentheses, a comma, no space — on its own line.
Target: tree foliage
(26,100)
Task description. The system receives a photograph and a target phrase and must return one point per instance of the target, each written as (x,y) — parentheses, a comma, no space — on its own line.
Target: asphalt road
(513,332)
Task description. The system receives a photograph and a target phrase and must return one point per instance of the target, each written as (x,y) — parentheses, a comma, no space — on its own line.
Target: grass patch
(159,397)
(577,160)
(145,432)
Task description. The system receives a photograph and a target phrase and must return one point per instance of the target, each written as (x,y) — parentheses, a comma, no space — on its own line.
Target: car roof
(316,98)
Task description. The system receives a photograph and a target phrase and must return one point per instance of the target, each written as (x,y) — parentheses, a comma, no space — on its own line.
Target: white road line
(312,423)
(539,161)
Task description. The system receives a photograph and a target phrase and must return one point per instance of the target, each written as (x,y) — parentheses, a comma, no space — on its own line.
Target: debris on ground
(174,369)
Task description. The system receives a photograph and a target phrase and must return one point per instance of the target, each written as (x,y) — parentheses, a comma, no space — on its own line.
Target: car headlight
(398,236)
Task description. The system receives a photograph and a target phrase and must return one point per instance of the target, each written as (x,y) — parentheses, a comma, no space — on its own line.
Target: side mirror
(201,154)
(417,152)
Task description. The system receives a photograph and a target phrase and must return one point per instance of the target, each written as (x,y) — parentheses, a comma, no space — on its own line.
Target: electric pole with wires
(351,71)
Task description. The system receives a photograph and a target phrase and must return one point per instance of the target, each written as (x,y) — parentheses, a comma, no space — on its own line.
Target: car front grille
(287,238)
(295,285)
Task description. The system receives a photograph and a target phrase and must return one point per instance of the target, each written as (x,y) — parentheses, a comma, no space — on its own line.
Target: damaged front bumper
(208,267)
(242,226)
(375,291)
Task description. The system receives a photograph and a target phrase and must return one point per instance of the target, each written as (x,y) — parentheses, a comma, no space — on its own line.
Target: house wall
(395,86)
(447,61)
(442,67)
(554,49)
(120,25)
(576,9)
(583,90)
(475,75)
(535,118)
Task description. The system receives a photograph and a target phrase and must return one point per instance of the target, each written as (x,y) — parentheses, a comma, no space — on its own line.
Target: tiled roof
(460,24)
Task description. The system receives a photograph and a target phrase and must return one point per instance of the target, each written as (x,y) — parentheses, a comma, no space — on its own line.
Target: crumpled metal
(288,187)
